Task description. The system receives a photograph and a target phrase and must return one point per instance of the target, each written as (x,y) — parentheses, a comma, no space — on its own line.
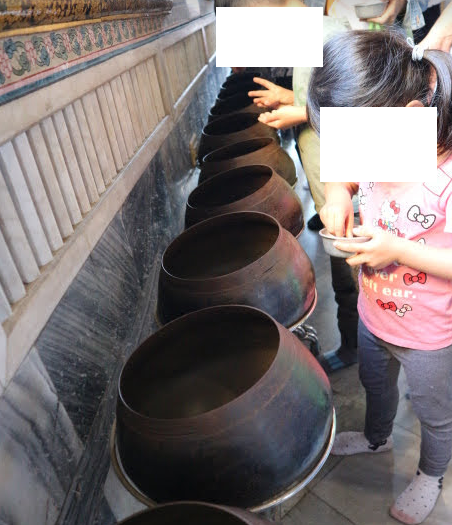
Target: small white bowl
(329,239)
(365,11)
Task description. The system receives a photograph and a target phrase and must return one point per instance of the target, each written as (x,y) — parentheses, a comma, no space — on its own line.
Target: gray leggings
(429,376)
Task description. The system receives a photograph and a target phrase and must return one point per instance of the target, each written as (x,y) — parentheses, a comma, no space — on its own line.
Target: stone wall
(57,412)
(96,135)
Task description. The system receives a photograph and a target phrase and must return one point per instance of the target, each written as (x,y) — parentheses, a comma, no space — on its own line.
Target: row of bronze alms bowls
(224,404)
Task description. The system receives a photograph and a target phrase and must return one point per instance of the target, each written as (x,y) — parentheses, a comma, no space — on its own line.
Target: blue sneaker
(338,359)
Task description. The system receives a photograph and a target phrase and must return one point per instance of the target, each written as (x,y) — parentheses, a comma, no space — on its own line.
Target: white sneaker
(418,499)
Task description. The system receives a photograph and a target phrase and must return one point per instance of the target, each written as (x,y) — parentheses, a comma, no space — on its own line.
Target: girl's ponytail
(442,97)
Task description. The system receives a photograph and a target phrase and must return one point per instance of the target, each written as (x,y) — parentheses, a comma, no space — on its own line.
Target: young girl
(405,300)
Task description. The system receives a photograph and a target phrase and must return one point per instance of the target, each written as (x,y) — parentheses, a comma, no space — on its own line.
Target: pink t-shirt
(399,304)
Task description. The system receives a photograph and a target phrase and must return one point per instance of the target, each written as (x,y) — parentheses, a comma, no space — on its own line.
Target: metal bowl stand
(305,332)
(271,509)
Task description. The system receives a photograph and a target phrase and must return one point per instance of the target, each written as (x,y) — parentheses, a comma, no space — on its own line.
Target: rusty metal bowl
(239,87)
(255,187)
(223,405)
(238,103)
(194,513)
(232,128)
(235,79)
(237,258)
(263,150)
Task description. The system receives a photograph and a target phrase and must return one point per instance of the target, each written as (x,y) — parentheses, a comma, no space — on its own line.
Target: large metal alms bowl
(237,258)
(254,187)
(253,151)
(232,128)
(236,79)
(194,513)
(238,103)
(240,87)
(223,405)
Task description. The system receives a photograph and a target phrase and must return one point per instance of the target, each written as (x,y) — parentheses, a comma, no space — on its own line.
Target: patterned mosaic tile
(31,61)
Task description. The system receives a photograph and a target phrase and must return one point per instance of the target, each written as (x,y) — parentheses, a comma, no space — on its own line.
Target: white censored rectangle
(269,36)
(377,144)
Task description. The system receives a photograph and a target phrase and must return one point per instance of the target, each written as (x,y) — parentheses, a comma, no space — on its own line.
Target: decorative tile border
(31,61)
(18,15)
(26,59)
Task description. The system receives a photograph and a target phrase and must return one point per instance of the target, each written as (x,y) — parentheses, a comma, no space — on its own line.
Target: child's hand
(271,97)
(440,35)
(284,117)
(381,251)
(390,14)
(337,215)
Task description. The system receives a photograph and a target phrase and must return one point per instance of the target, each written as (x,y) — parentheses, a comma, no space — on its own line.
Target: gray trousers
(346,296)
(429,377)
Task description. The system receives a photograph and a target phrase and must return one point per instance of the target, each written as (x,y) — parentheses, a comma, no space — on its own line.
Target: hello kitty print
(394,301)
(389,215)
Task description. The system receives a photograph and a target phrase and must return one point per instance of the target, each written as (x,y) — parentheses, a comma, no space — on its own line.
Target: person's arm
(392,10)
(440,35)
(384,249)
(272,96)
(337,215)
(284,117)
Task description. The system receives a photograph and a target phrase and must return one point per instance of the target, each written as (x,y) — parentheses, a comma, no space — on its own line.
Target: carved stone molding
(20,14)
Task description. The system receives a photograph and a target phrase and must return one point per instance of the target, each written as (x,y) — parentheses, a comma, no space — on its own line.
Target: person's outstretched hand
(443,43)
(272,96)
(393,9)
(284,117)
(440,35)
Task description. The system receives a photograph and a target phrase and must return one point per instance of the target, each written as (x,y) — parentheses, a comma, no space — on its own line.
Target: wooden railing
(69,157)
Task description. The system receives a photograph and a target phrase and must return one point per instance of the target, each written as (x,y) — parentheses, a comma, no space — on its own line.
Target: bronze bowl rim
(291,328)
(226,92)
(223,174)
(237,78)
(181,422)
(212,116)
(223,92)
(231,116)
(238,95)
(258,196)
(222,218)
(227,509)
(270,139)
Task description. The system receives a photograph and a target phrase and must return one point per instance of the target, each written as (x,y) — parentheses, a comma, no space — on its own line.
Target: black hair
(375,68)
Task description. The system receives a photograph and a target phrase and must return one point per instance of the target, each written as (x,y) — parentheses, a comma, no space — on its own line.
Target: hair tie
(418,52)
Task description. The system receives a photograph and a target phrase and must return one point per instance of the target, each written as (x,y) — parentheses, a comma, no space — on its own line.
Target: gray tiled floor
(358,489)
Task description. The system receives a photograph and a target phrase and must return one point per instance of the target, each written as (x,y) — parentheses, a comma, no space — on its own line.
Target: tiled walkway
(358,489)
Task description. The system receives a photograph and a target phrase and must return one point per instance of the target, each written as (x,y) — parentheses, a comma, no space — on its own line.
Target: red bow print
(409,279)
(397,232)
(382,225)
(387,306)
(394,206)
